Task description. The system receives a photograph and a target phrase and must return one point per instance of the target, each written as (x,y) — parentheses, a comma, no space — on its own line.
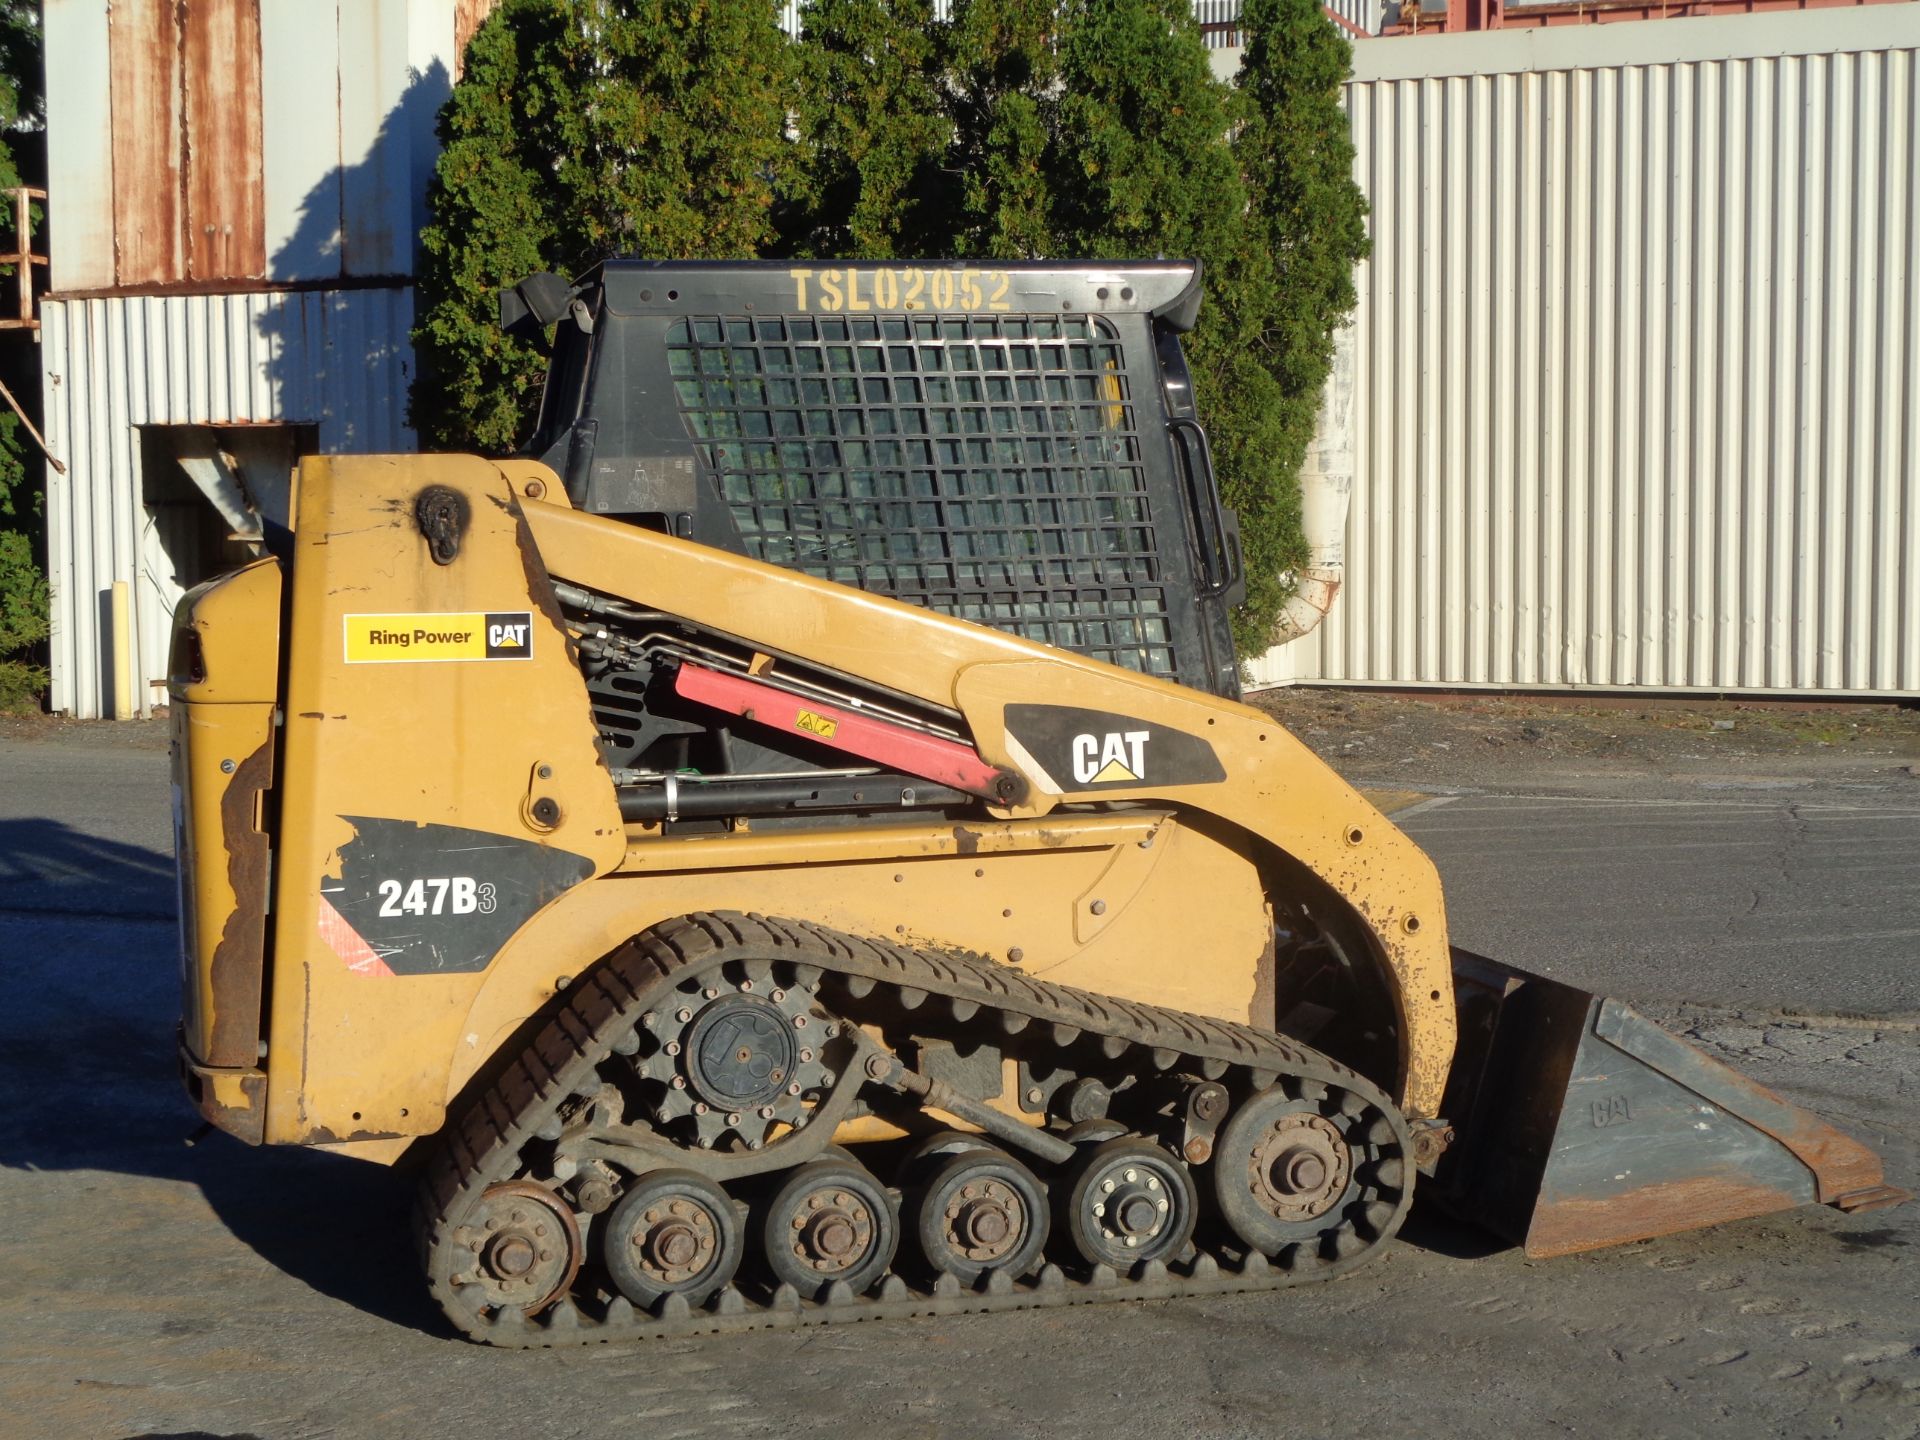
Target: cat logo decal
(1064,748)
(1115,756)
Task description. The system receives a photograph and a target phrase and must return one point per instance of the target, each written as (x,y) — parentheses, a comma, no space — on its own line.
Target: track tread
(483,1144)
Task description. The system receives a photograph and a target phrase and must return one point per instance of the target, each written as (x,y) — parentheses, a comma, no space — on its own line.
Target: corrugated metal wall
(338,360)
(1638,360)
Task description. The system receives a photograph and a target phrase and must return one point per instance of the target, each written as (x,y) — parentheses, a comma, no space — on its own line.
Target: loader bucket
(1581,1124)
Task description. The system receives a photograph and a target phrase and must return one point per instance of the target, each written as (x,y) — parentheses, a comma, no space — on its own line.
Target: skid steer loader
(730,947)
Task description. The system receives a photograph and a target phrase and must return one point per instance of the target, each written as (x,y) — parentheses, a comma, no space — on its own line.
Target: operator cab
(1009,443)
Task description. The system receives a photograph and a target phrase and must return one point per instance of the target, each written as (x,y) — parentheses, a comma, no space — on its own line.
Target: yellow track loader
(730,947)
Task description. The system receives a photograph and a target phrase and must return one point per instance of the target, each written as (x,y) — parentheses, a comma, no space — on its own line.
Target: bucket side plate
(1583,1124)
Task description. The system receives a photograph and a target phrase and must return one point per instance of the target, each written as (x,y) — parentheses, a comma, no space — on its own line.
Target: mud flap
(1581,1124)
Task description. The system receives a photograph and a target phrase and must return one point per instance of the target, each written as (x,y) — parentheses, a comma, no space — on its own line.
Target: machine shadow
(338,1225)
(89,1001)
(48,866)
(1433,1228)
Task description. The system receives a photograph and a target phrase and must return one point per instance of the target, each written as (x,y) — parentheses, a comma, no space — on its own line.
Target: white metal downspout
(1326,484)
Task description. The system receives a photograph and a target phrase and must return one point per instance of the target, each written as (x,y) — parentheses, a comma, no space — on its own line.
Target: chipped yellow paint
(443,744)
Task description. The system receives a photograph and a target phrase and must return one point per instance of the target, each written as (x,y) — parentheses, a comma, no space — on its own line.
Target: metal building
(1636,393)
(235,187)
(1634,363)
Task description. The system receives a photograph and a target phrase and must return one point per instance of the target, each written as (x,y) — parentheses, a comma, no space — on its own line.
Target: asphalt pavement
(151,1289)
(1794,898)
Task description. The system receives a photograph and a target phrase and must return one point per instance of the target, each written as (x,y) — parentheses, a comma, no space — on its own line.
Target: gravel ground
(153,1289)
(1464,740)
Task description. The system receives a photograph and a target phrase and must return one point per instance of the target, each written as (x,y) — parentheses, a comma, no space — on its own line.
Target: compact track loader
(732,948)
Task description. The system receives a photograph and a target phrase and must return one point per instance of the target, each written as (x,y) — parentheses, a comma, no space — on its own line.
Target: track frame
(485,1145)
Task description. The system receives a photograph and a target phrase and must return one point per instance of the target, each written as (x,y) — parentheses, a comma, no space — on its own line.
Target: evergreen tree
(1140,162)
(1002,75)
(23,585)
(1021,128)
(1281,295)
(584,128)
(873,131)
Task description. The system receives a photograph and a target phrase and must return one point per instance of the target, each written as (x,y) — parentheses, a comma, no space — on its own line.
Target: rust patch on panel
(1264,1009)
(323,1135)
(234,972)
(143,56)
(189,198)
(468,16)
(244,1118)
(1569,1225)
(225,185)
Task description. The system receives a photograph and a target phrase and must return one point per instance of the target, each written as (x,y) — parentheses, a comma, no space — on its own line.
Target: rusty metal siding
(185,115)
(1638,352)
(468,16)
(336,359)
(225,209)
(254,141)
(149,235)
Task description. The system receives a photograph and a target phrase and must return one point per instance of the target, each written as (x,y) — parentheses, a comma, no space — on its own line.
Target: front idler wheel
(673,1233)
(981,1212)
(831,1221)
(1289,1170)
(1130,1202)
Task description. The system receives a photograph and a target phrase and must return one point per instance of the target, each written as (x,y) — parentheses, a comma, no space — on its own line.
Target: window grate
(986,466)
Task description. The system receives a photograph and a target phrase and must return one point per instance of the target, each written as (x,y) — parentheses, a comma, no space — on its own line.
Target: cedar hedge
(1015,129)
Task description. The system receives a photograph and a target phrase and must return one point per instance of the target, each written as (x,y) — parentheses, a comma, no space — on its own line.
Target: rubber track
(483,1144)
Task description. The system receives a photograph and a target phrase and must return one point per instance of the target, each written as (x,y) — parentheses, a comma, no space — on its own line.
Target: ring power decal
(426,899)
(459,635)
(1096,749)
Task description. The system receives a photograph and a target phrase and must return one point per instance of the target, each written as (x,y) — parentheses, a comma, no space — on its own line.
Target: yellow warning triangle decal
(1111,771)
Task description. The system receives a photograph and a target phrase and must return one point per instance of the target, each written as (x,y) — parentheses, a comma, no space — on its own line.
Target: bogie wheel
(831,1221)
(1305,1168)
(673,1233)
(981,1211)
(1130,1201)
(525,1245)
